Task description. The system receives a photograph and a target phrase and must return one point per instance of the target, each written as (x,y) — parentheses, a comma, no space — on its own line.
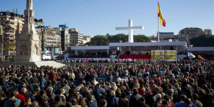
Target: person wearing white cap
(158,101)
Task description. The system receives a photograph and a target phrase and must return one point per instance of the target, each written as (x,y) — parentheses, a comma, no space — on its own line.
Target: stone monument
(28,43)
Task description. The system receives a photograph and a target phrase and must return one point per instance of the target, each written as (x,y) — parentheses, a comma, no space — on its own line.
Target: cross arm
(129,28)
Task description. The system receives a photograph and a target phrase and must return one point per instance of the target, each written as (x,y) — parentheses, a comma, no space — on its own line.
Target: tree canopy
(203,40)
(98,40)
(104,40)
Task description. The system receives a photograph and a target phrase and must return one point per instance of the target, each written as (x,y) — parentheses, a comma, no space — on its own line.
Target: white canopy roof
(89,47)
(200,48)
(179,43)
(115,45)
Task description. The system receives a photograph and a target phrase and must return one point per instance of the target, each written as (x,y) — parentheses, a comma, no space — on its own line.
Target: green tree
(118,37)
(141,38)
(98,40)
(104,40)
(202,40)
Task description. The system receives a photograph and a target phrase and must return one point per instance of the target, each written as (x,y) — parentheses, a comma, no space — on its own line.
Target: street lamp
(1,33)
(52,51)
(41,27)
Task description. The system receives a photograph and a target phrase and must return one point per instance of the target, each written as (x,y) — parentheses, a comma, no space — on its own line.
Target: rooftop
(9,13)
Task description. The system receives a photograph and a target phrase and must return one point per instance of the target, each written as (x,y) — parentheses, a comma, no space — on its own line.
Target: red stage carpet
(135,57)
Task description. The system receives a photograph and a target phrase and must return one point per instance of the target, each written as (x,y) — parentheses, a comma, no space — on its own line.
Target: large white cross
(130,28)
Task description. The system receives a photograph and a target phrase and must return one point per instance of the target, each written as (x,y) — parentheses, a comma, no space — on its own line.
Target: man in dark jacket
(134,100)
(142,102)
(58,102)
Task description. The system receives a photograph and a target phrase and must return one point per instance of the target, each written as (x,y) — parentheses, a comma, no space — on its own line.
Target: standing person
(142,102)
(103,103)
(135,97)
(123,101)
(43,82)
(91,103)
(12,99)
(158,101)
(112,100)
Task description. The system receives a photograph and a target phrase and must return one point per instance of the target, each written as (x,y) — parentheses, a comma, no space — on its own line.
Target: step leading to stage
(37,63)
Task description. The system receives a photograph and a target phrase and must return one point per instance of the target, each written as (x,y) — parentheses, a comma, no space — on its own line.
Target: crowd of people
(187,83)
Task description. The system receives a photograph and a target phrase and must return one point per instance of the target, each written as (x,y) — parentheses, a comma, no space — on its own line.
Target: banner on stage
(157,55)
(170,55)
(166,55)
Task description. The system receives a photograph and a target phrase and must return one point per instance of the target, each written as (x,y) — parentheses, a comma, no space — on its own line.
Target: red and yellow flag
(162,20)
(201,58)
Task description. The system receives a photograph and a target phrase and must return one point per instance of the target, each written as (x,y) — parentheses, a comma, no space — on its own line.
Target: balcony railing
(10,33)
(10,20)
(11,38)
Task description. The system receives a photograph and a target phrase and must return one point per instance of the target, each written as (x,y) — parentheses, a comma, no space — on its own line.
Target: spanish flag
(162,21)
(201,58)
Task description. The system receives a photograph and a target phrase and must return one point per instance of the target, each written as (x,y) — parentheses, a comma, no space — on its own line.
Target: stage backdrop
(170,55)
(157,55)
(166,55)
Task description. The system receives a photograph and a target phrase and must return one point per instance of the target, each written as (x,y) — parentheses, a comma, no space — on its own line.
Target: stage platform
(38,64)
(135,57)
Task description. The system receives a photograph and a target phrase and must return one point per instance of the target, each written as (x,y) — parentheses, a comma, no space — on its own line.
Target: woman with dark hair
(123,101)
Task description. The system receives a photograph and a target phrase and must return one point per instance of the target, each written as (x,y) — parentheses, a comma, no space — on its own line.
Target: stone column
(107,51)
(76,52)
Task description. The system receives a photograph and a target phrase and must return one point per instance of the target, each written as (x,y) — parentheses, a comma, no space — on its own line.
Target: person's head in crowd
(13,93)
(49,90)
(68,104)
(164,103)
(118,92)
(45,101)
(187,102)
(135,91)
(43,93)
(24,90)
(57,98)
(35,104)
(62,91)
(158,97)
(103,103)
(112,93)
(74,101)
(142,100)
(37,88)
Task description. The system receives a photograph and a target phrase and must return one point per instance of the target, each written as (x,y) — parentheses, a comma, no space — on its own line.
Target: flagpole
(158,27)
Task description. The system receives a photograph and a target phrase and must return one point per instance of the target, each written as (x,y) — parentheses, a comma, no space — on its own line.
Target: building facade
(208,31)
(191,32)
(54,30)
(65,39)
(166,34)
(38,22)
(188,33)
(52,44)
(12,23)
(76,36)
(86,39)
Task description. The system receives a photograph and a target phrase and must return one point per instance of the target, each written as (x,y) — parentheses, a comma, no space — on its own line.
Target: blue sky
(93,17)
